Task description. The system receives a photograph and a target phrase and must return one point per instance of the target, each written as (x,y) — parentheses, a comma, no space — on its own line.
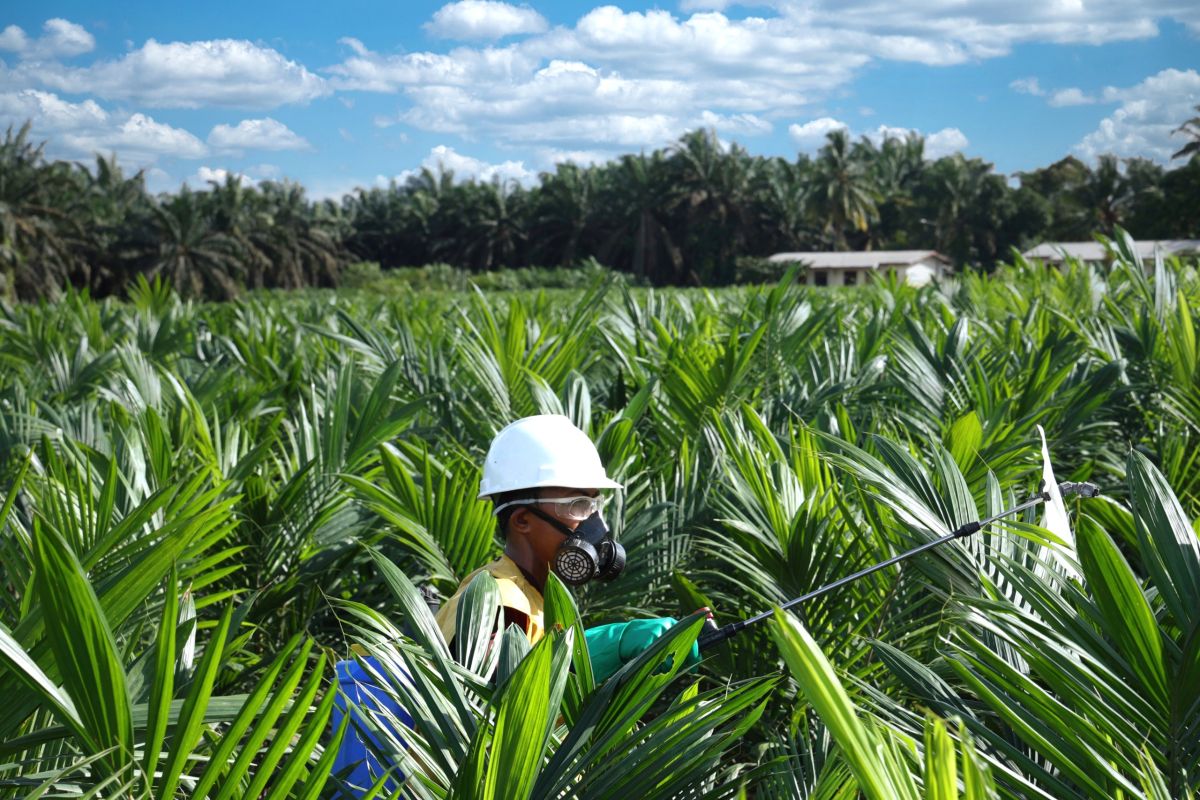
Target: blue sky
(356,94)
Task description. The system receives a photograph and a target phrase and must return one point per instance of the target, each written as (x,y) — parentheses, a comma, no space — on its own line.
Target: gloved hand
(614,645)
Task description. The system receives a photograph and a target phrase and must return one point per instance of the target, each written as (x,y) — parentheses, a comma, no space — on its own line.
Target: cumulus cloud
(811,135)
(446,159)
(221,72)
(49,112)
(249,176)
(632,78)
(614,79)
(60,39)
(1056,98)
(13,39)
(735,124)
(1148,112)
(256,134)
(1027,86)
(139,139)
(484,19)
(159,180)
(986,30)
(205,176)
(945,142)
(1070,97)
(84,129)
(705,5)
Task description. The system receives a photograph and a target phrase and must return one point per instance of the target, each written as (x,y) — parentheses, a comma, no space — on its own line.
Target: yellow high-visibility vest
(516,592)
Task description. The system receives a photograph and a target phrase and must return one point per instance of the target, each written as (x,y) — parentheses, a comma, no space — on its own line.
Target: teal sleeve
(604,648)
(611,646)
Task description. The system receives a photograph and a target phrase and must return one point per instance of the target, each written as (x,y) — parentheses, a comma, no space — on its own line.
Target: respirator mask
(589,552)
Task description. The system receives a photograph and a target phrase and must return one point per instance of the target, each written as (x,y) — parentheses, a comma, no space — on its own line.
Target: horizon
(339,98)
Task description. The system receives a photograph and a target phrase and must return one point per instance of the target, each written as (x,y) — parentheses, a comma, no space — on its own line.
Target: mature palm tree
(39,217)
(716,203)
(564,214)
(954,191)
(116,207)
(639,199)
(1106,195)
(379,219)
(844,191)
(781,203)
(895,170)
(1190,129)
(298,242)
(183,246)
(494,229)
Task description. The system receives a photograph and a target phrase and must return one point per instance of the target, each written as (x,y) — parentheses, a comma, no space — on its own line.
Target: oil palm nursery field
(204,507)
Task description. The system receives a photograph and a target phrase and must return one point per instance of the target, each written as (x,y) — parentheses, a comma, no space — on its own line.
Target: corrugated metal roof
(864,259)
(1094,251)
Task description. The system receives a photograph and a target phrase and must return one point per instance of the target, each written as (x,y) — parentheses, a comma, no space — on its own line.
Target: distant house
(915,267)
(1096,253)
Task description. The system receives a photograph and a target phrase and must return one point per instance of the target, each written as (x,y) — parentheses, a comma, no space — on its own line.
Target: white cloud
(620,78)
(265,172)
(221,72)
(13,39)
(1056,98)
(139,139)
(705,5)
(1069,97)
(49,112)
(208,175)
(447,159)
(945,142)
(81,130)
(612,67)
(250,176)
(484,19)
(985,30)
(63,38)
(811,135)
(256,134)
(735,124)
(1027,86)
(1148,112)
(60,39)
(325,189)
(159,180)
(937,144)
(373,72)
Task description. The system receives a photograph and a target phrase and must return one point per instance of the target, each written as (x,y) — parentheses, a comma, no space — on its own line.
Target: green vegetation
(684,215)
(202,506)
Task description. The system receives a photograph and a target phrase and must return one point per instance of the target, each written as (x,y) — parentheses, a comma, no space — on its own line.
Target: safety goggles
(574,508)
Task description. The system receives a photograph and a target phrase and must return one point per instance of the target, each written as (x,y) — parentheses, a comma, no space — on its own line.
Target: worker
(544,479)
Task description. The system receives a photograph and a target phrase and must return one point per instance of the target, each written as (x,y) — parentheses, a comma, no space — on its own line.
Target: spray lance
(711,635)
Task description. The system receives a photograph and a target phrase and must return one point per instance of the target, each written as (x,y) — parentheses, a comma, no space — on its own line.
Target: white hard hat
(545,450)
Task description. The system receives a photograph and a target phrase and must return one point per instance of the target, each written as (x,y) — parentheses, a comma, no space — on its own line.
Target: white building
(915,267)
(1096,253)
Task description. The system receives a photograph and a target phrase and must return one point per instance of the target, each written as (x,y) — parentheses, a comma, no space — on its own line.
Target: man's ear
(518,521)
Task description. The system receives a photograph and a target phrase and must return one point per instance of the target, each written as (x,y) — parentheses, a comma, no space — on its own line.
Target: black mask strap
(553,521)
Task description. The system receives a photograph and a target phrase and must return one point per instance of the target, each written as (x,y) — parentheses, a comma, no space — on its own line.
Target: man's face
(543,537)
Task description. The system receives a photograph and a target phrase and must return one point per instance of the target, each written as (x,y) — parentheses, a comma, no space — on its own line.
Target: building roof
(1095,251)
(862,259)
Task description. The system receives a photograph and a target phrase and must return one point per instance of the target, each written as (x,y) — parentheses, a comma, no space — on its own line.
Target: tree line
(685,214)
